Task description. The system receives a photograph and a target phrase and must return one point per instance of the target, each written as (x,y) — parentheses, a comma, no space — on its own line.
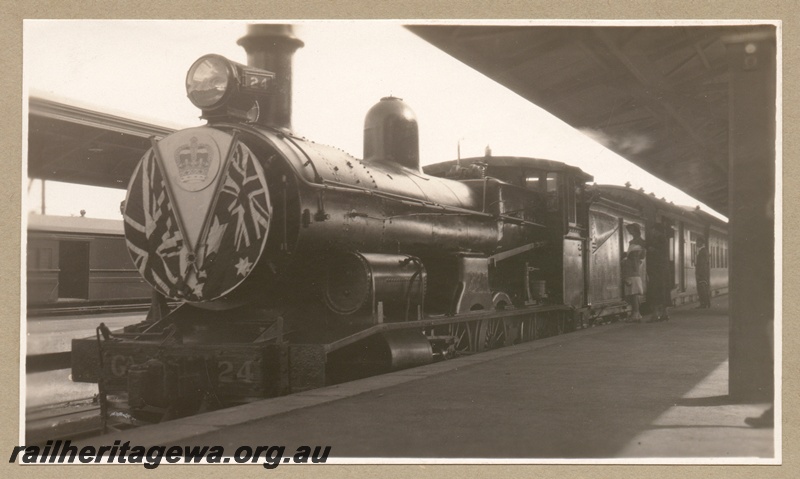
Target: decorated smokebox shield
(197,214)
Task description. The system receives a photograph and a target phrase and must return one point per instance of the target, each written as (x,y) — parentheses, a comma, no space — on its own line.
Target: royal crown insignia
(193,160)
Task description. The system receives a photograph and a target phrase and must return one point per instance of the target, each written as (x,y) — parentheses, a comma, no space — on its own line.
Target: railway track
(66,420)
(63,310)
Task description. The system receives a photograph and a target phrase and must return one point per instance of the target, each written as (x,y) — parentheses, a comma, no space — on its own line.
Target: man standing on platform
(631,270)
(702,274)
(659,284)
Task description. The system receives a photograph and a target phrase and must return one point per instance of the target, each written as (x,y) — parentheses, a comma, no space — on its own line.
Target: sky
(136,69)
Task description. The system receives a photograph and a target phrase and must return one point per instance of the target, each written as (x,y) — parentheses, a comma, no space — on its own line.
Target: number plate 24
(237,371)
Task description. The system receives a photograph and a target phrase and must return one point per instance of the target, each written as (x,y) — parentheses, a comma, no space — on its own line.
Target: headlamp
(208,80)
(223,88)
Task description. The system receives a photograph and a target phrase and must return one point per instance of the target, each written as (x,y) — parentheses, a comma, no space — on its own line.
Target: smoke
(627,144)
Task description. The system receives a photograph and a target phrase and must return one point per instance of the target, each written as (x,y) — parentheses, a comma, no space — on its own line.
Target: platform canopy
(79,145)
(658,96)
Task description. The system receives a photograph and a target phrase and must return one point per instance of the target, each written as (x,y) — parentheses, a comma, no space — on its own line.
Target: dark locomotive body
(299,265)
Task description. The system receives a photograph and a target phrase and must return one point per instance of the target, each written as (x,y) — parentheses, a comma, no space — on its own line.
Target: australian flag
(243,210)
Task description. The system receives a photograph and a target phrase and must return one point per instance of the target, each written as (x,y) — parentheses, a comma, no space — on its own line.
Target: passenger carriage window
(45,259)
(713,255)
(40,258)
(672,247)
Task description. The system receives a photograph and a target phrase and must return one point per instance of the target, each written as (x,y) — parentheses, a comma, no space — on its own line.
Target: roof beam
(647,83)
(56,158)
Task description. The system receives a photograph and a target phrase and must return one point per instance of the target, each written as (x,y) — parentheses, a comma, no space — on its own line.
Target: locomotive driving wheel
(499,332)
(463,337)
(491,334)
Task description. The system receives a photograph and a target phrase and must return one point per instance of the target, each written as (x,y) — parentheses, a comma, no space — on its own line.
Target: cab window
(551,188)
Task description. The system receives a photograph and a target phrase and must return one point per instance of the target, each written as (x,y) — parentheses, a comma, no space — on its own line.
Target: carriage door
(73,265)
(672,237)
(574,286)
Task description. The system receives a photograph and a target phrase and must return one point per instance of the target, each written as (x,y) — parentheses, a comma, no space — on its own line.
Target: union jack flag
(243,198)
(233,239)
(151,230)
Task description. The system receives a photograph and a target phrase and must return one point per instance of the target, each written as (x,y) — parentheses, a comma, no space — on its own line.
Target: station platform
(51,336)
(54,334)
(619,393)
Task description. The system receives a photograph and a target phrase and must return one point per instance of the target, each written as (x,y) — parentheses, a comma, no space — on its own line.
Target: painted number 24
(244,374)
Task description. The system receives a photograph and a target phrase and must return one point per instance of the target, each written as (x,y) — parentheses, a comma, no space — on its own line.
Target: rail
(66,420)
(89,307)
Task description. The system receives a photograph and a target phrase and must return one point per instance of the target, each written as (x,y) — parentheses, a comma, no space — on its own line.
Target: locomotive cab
(552,267)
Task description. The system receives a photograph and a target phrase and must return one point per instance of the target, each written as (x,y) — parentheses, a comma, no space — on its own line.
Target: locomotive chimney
(271,47)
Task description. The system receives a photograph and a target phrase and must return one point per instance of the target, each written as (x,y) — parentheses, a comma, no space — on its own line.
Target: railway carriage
(74,261)
(683,227)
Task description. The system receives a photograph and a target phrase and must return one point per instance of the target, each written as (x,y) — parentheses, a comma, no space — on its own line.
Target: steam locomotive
(298,265)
